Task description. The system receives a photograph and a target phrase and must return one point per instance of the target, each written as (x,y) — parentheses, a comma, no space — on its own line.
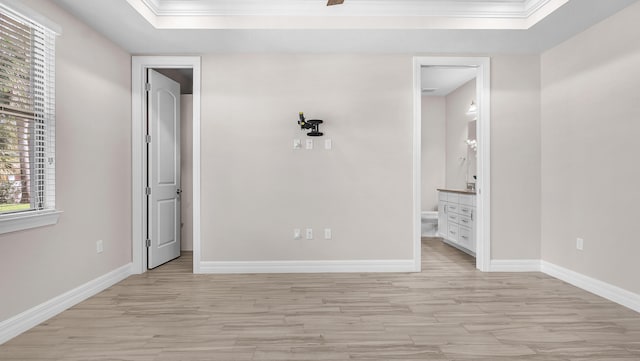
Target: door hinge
(147,191)
(148,243)
(147,87)
(147,138)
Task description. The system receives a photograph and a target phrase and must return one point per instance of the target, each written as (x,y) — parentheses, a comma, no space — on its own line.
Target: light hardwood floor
(450,311)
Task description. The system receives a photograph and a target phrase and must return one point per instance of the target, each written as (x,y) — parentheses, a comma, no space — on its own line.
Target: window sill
(27,220)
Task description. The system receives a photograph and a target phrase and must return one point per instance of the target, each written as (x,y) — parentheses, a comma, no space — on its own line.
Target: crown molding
(362,14)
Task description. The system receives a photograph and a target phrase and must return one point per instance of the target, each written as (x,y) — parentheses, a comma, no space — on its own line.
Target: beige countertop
(459,191)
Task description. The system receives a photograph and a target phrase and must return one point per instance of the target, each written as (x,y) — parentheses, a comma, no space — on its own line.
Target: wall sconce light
(312,124)
(473,109)
(473,144)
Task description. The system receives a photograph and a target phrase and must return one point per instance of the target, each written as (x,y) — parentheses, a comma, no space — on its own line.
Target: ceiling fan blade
(334,2)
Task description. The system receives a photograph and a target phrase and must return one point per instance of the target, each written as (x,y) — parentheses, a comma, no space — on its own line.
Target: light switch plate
(309,233)
(328,144)
(296,233)
(297,144)
(309,144)
(327,233)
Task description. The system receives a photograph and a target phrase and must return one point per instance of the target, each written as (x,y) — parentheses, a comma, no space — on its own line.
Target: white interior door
(163,173)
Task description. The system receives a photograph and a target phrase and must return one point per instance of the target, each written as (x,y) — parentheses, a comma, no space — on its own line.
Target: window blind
(27,114)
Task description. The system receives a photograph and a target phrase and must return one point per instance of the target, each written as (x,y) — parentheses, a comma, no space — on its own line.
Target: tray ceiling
(353,14)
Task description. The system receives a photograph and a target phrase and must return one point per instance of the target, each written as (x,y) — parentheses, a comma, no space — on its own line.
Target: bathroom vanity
(456,219)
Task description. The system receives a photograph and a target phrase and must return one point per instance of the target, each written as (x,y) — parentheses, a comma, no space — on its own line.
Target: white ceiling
(120,22)
(440,81)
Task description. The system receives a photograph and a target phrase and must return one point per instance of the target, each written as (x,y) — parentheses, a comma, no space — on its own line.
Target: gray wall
(93,174)
(186,170)
(590,130)
(256,189)
(515,157)
(433,150)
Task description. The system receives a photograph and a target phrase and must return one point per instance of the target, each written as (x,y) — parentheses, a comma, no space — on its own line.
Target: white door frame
(483,186)
(139,66)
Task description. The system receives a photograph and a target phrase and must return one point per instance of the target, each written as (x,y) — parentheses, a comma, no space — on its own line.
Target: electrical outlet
(99,246)
(297,234)
(580,244)
(309,233)
(327,233)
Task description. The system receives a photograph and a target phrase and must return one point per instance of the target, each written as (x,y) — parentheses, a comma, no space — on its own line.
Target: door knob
(178,191)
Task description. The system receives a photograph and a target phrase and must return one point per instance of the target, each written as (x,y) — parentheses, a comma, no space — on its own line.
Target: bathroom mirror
(472,151)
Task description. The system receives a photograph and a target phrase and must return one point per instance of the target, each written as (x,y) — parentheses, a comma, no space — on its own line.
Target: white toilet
(429,224)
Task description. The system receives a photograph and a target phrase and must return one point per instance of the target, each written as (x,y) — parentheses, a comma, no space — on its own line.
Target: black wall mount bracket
(313,124)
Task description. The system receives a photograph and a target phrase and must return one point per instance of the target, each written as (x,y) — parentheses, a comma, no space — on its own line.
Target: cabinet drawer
(453,217)
(465,221)
(452,208)
(466,238)
(453,232)
(465,210)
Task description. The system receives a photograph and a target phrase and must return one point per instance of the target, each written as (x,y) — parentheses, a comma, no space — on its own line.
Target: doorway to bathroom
(451,154)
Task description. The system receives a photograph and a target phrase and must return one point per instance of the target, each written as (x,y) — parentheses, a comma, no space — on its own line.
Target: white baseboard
(308,266)
(22,322)
(606,290)
(514,265)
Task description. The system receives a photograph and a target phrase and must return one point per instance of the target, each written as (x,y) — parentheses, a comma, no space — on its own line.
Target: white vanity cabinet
(456,219)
